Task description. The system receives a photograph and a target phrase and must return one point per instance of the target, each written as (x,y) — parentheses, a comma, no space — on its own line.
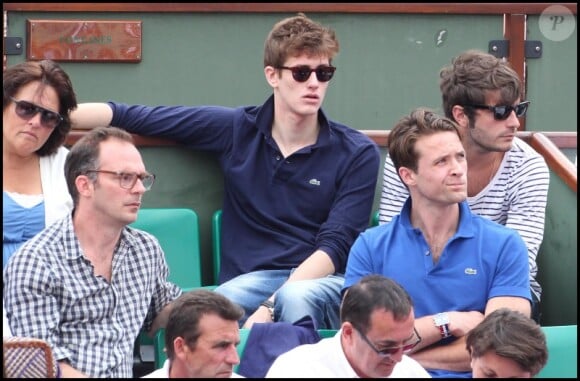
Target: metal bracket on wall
(533,49)
(13,45)
(501,48)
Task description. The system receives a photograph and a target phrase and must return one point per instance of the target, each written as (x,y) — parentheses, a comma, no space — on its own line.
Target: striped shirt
(516,197)
(51,293)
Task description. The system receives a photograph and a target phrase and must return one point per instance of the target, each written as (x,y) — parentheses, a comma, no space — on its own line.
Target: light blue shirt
(19,224)
(482,260)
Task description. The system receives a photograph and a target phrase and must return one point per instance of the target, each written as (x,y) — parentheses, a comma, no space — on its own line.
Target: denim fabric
(319,298)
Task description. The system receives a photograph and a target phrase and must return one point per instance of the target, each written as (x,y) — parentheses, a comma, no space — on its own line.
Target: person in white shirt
(376,334)
(201,336)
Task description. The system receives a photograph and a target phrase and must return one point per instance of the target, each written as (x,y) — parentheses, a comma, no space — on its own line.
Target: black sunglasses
(503,112)
(301,73)
(27,110)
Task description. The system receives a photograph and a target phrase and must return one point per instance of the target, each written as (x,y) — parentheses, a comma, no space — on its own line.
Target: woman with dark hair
(38,97)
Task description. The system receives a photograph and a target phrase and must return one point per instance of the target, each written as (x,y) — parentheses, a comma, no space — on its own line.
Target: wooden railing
(556,160)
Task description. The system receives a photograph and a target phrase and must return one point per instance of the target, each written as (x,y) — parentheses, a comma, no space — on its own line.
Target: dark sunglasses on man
(27,110)
(301,73)
(503,112)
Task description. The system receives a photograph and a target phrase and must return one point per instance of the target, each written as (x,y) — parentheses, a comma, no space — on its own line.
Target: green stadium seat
(216,226)
(562,344)
(375,221)
(326,333)
(177,230)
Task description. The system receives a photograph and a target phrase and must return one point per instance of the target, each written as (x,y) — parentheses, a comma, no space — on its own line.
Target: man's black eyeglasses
(27,110)
(406,348)
(127,180)
(301,73)
(503,112)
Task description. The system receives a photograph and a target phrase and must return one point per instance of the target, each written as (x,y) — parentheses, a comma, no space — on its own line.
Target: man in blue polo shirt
(299,187)
(457,266)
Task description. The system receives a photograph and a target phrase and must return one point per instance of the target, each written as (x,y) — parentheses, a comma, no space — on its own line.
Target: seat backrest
(161,355)
(326,333)
(177,230)
(216,230)
(159,346)
(562,344)
(375,220)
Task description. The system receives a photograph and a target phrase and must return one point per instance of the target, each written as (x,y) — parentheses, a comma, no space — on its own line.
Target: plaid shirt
(51,293)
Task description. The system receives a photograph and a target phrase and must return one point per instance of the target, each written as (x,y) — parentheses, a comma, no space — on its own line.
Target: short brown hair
(471,76)
(403,137)
(512,335)
(296,35)
(187,311)
(84,155)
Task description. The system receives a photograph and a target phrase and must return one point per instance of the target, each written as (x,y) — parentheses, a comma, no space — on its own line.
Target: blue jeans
(319,298)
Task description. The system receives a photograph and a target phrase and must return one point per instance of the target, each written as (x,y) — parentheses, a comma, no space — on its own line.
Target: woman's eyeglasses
(27,110)
(503,112)
(391,351)
(127,180)
(301,73)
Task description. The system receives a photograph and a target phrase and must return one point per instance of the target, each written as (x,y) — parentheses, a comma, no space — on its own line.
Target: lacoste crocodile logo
(314,182)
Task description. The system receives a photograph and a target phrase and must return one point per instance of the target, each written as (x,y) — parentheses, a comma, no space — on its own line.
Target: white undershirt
(26,200)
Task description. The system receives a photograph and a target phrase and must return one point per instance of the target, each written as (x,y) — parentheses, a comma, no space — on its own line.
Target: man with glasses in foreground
(88,283)
(376,334)
(457,266)
(299,187)
(507,180)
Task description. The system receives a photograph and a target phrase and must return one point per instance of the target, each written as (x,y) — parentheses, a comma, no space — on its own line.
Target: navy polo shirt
(276,211)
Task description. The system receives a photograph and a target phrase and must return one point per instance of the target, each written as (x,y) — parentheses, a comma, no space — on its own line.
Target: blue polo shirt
(482,260)
(276,211)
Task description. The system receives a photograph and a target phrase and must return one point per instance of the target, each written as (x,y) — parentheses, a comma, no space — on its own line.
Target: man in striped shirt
(507,179)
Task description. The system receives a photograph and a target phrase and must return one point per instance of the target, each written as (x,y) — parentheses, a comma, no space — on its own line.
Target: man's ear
(180,347)
(459,116)
(85,185)
(407,176)
(271,75)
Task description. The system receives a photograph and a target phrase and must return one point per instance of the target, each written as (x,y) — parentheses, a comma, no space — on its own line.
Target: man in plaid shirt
(88,283)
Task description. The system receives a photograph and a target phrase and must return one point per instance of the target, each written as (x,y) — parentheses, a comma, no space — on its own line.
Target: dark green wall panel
(553,82)
(388,64)
(558,257)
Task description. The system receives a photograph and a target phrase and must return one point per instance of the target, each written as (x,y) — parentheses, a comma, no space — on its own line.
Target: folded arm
(454,356)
